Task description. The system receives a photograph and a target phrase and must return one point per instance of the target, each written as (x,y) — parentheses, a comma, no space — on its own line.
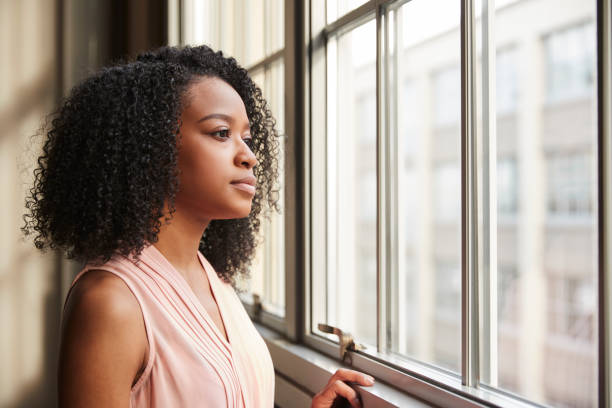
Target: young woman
(154,174)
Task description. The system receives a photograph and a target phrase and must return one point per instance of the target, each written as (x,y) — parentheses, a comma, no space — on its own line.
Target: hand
(336,387)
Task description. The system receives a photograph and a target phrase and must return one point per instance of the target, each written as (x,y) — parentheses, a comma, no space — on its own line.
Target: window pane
(247,30)
(268,271)
(350,296)
(426,291)
(544,340)
(275,26)
(338,8)
(274,227)
(237,28)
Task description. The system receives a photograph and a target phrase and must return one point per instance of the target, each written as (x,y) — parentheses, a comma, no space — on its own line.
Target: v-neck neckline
(198,305)
(214,293)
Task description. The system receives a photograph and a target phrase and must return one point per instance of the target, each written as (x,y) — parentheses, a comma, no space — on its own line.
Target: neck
(179,240)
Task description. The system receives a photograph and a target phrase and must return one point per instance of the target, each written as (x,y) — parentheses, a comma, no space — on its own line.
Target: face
(214,160)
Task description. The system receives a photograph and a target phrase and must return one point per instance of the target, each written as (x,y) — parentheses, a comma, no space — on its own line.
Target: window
(571,308)
(337,8)
(348,300)
(404,275)
(253,33)
(447,97)
(545,180)
(571,181)
(447,193)
(447,320)
(399,222)
(570,55)
(509,296)
(506,81)
(507,186)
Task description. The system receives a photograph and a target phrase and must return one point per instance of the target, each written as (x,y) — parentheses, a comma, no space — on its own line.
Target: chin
(242,212)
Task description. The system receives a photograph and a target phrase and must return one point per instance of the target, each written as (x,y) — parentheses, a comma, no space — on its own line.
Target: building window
(507,186)
(447,97)
(447,193)
(509,298)
(570,57)
(506,81)
(571,307)
(570,185)
(447,316)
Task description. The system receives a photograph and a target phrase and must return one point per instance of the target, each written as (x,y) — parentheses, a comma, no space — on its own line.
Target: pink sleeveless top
(190,363)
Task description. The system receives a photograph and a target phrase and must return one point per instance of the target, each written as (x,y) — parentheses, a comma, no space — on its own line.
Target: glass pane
(268,270)
(338,8)
(275,25)
(545,266)
(350,303)
(259,77)
(274,92)
(253,21)
(426,289)
(247,30)
(256,284)
(274,227)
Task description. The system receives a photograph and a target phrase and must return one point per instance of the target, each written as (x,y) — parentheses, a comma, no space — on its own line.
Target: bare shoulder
(103,346)
(101,291)
(99,301)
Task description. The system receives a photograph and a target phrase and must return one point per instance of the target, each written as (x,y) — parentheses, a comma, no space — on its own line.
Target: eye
(223,133)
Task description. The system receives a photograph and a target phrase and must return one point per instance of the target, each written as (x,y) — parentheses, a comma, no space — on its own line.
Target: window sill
(302,371)
(264,317)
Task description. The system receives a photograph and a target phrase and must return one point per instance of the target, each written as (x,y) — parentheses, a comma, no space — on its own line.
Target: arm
(104,344)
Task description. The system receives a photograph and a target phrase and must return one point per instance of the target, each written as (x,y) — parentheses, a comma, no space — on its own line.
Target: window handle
(345,339)
(257,306)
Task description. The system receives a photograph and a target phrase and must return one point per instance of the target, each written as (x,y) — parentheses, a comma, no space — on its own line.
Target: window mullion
(469,230)
(396,285)
(488,265)
(382,219)
(295,175)
(604,64)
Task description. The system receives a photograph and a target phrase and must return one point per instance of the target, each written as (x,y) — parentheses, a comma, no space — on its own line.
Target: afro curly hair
(109,161)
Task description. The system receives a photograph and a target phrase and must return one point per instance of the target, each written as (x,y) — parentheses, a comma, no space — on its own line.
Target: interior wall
(47,46)
(29,312)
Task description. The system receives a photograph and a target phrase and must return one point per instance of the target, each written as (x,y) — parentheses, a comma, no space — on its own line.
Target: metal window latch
(346,342)
(257,306)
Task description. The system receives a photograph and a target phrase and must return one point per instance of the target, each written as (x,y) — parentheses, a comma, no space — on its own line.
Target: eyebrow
(220,116)
(216,116)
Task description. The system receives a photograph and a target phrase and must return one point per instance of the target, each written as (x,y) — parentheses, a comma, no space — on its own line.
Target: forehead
(214,95)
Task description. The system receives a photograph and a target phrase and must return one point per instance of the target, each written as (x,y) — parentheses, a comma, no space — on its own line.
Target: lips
(246,184)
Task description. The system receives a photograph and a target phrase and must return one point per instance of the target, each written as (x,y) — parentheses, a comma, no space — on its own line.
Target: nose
(244,156)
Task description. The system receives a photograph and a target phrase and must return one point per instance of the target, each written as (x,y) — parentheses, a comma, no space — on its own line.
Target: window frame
(415,377)
(304,55)
(604,198)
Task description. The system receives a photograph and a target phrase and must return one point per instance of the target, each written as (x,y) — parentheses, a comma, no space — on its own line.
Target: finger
(344,374)
(338,388)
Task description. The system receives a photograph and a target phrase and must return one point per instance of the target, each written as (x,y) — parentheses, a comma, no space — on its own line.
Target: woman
(155,173)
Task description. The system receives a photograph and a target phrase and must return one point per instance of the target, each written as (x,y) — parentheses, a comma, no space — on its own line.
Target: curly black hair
(109,161)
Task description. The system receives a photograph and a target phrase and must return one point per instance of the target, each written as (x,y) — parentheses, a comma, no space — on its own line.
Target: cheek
(201,174)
